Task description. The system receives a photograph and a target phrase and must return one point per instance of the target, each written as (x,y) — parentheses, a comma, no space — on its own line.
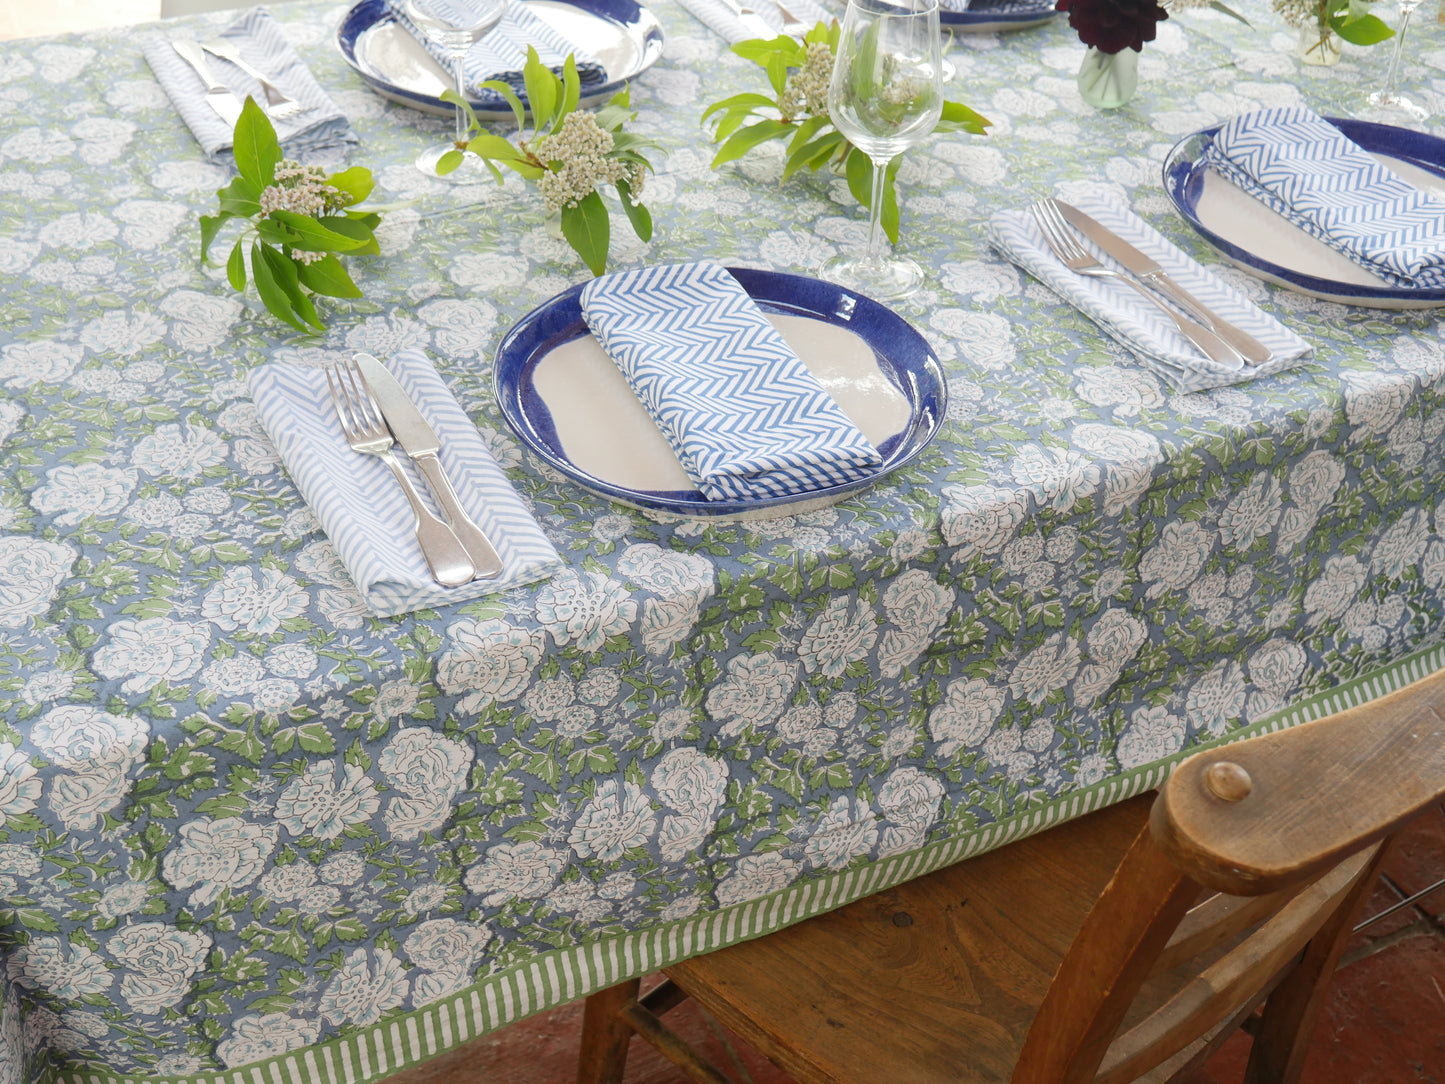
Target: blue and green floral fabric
(254,833)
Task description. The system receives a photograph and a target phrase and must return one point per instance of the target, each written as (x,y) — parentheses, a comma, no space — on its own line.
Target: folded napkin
(741,410)
(1131,319)
(502,53)
(723,22)
(363,510)
(319,128)
(1303,167)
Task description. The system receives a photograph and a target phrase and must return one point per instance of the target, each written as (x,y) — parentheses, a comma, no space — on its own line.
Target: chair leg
(1293,1008)
(605,1034)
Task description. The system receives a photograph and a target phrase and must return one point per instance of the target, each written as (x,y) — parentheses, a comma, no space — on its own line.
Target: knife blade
(419,440)
(1148,271)
(752,22)
(218,95)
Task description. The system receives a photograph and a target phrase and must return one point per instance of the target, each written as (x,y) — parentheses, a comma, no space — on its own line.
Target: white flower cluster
(579,151)
(302,189)
(806,90)
(1300,12)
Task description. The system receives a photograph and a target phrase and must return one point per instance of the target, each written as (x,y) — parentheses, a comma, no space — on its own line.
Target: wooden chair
(1124,945)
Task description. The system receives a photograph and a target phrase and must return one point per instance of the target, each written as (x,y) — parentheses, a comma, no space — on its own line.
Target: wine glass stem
(875,207)
(1406,10)
(458,73)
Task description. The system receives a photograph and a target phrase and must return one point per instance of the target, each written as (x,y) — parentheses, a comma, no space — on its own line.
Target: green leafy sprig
(798,115)
(569,180)
(293,253)
(1353,21)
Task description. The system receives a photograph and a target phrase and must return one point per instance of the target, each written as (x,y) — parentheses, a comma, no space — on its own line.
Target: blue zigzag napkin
(1131,319)
(363,510)
(503,52)
(1303,167)
(741,410)
(722,20)
(309,135)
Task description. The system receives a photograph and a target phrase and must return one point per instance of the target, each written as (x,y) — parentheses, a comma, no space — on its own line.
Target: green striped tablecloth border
(563,975)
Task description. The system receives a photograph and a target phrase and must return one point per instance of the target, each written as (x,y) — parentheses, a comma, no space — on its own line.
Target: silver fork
(1065,244)
(367,433)
(279,104)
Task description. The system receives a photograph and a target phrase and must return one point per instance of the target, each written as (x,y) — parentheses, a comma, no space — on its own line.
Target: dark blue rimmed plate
(625,38)
(548,416)
(1268,246)
(993,16)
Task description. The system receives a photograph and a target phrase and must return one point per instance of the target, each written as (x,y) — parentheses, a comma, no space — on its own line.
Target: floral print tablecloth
(248,825)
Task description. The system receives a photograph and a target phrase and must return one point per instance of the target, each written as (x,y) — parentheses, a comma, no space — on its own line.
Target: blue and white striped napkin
(502,54)
(1303,167)
(721,20)
(363,510)
(741,410)
(1130,318)
(319,132)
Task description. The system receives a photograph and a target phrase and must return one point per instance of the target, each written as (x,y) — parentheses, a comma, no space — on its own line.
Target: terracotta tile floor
(1384,1024)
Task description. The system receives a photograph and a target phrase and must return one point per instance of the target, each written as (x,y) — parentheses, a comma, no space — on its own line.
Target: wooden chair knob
(1228,781)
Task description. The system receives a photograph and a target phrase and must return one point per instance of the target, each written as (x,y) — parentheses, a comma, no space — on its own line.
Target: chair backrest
(1288,830)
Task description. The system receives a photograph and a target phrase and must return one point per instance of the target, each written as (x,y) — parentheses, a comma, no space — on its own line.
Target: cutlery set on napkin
(207,81)
(741,20)
(1182,320)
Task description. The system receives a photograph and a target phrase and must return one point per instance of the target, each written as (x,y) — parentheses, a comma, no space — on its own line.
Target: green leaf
(586,229)
(518,109)
(890,200)
(637,214)
(355,229)
(240,197)
(488,146)
(327,276)
(448,162)
(747,102)
(283,267)
(745,140)
(210,226)
(543,88)
(312,236)
(859,171)
(571,87)
(1223,9)
(465,106)
(236,266)
(273,294)
(814,154)
(958,117)
(256,149)
(356,182)
(1364,30)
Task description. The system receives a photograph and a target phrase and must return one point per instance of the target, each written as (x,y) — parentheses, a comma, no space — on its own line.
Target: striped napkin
(741,410)
(1131,319)
(1301,166)
(317,132)
(363,510)
(722,22)
(502,53)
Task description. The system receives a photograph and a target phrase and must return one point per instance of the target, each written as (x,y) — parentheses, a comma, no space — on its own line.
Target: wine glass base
(471,171)
(1397,105)
(884,279)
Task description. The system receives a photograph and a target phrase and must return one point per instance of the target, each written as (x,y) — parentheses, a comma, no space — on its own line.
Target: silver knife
(752,22)
(1148,271)
(420,442)
(226,104)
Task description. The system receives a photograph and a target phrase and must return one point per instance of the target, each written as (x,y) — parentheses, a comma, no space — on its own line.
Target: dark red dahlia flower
(1112,25)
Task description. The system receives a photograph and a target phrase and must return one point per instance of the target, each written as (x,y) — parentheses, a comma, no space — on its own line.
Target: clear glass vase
(1108,80)
(1319,45)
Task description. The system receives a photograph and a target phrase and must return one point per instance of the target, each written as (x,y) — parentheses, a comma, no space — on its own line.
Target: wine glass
(885,95)
(1388,98)
(455,25)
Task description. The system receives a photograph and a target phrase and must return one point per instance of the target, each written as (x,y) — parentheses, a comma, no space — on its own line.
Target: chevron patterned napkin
(741,410)
(320,129)
(721,20)
(1303,167)
(503,52)
(363,510)
(1131,319)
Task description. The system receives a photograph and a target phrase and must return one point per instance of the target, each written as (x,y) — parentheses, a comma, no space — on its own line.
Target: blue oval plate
(1266,245)
(917,395)
(994,16)
(623,35)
